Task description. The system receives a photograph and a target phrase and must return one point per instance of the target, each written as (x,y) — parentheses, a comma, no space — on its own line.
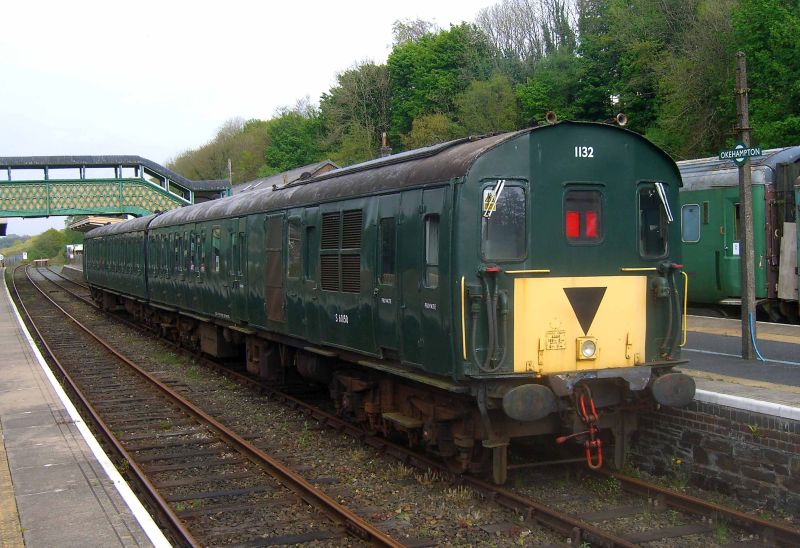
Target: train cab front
(574,317)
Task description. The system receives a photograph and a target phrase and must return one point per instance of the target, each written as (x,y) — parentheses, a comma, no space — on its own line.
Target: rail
(313,496)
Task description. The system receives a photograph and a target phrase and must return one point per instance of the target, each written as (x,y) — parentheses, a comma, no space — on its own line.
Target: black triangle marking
(585,301)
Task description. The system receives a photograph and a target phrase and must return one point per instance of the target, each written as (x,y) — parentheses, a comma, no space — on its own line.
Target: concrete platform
(771,386)
(57,488)
(74,271)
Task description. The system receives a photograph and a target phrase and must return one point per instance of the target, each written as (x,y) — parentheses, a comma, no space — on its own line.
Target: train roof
(414,168)
(713,172)
(437,163)
(286,177)
(131,225)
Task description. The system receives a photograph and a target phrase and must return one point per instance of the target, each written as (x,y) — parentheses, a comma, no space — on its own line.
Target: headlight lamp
(587,348)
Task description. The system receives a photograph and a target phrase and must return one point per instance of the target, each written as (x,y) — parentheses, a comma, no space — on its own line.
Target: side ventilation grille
(330,231)
(351,273)
(351,229)
(340,260)
(329,272)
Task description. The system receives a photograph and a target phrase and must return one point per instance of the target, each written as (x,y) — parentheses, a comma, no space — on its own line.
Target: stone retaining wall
(750,456)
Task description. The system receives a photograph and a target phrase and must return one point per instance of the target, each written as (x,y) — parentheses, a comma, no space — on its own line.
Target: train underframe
(469,428)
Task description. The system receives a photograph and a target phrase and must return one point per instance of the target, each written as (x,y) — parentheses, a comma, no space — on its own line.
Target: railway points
(53,474)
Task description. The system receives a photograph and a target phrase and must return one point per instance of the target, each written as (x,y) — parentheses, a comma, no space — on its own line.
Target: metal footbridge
(41,186)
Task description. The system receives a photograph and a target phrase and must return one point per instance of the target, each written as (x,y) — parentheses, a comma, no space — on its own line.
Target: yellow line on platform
(10,528)
(737,332)
(738,380)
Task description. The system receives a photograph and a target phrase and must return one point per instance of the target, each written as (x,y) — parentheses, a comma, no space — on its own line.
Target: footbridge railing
(40,186)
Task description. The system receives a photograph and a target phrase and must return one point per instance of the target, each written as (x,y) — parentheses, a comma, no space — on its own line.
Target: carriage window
(185,249)
(192,253)
(308,260)
(294,250)
(168,265)
(432,251)
(387,228)
(152,255)
(216,237)
(504,223)
(737,211)
(690,223)
(177,257)
(234,249)
(158,265)
(583,216)
(652,223)
(201,253)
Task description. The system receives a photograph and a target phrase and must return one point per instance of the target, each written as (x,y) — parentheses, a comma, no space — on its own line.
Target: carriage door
(273,271)
(434,284)
(730,273)
(409,269)
(310,247)
(422,264)
(237,273)
(386,297)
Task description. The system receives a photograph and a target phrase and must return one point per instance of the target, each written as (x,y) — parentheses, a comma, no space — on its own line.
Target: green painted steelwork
(40,186)
(132,196)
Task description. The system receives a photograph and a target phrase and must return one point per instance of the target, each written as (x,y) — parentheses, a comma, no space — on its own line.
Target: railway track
(634,521)
(60,279)
(686,517)
(211,486)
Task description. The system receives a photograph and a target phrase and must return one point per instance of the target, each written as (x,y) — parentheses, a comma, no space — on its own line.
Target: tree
(426,75)
(527,30)
(411,30)
(642,34)
(241,141)
(598,62)
(293,139)
(488,106)
(767,31)
(431,129)
(663,64)
(552,87)
(355,112)
(696,113)
(356,145)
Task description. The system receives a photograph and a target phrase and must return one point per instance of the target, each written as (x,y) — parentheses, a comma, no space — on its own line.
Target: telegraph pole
(747,256)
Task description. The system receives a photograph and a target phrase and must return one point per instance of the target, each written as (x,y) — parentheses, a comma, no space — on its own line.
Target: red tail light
(591,224)
(573,224)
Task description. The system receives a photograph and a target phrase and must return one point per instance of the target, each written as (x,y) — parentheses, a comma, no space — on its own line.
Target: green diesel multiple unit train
(465,294)
(710,231)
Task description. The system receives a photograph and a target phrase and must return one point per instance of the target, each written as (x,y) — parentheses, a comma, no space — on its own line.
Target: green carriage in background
(710,231)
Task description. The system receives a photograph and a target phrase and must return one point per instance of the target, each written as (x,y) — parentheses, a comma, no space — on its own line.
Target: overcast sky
(155,78)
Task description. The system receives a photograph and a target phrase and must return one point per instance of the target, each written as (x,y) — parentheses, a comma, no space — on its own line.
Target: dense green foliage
(293,140)
(427,74)
(768,31)
(47,245)
(668,64)
(241,142)
(355,113)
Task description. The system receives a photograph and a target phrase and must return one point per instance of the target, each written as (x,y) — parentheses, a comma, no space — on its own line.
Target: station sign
(740,153)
